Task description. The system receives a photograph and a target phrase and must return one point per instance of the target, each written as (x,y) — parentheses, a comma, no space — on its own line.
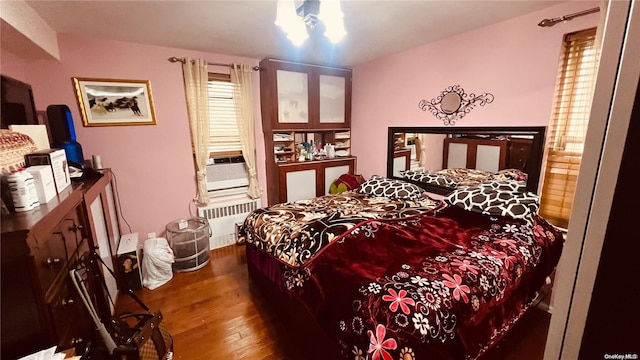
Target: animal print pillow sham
(396,189)
(454,178)
(496,198)
(429,178)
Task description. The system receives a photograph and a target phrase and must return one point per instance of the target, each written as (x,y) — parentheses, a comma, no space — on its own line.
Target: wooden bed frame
(295,324)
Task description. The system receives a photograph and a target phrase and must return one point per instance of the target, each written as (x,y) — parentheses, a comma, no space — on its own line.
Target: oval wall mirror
(450,103)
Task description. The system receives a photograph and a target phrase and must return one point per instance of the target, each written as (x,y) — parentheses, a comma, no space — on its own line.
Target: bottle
(19,194)
(31,188)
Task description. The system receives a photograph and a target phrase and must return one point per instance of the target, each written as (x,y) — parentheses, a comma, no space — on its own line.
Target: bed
(446,281)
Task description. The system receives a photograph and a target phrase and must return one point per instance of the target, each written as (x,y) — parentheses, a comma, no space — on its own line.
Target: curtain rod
(174,59)
(551,22)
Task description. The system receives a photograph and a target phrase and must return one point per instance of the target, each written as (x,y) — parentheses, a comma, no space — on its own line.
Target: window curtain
(420,148)
(195,85)
(241,76)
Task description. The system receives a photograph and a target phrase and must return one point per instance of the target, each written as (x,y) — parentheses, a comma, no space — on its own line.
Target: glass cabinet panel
(293,97)
(332,99)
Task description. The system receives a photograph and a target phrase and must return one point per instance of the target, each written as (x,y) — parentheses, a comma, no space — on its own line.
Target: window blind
(570,117)
(224,137)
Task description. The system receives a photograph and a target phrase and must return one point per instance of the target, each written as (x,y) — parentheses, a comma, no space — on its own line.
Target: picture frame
(114,102)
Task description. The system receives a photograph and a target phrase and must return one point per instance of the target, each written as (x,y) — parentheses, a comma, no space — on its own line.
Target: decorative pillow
(429,178)
(396,189)
(490,200)
(506,185)
(345,182)
(510,174)
(13,147)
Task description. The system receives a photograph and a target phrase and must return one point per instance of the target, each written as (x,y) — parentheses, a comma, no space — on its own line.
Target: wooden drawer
(72,230)
(71,320)
(61,250)
(50,259)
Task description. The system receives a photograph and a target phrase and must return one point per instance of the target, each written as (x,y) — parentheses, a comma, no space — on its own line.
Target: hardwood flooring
(214,313)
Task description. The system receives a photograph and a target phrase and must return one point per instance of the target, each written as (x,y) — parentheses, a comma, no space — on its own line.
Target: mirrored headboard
(483,148)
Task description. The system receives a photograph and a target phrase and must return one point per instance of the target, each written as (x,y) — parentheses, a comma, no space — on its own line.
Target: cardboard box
(129,262)
(43,179)
(57,159)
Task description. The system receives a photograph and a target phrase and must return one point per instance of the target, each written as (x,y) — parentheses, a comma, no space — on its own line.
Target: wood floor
(214,313)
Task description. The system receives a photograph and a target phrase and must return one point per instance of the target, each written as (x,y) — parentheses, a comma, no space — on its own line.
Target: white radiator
(223,217)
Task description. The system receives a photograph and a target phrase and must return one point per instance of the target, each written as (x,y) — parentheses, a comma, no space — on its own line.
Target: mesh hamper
(189,239)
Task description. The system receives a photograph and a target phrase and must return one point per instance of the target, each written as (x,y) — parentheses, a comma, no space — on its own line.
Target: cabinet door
(293,97)
(99,219)
(332,99)
(332,90)
(301,96)
(333,170)
(300,184)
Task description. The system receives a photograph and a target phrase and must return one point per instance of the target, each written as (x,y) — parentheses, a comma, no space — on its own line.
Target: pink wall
(153,164)
(515,60)
(11,65)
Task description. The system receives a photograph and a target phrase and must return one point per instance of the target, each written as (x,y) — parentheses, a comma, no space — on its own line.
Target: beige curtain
(241,76)
(195,85)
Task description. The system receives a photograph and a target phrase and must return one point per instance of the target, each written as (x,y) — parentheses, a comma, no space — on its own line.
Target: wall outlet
(151,235)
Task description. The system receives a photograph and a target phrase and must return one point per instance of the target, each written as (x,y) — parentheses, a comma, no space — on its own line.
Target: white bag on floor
(156,263)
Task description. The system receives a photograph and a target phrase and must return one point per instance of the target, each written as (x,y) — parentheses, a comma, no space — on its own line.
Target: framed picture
(107,102)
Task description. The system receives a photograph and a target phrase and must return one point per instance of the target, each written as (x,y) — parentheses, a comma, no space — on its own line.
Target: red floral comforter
(444,286)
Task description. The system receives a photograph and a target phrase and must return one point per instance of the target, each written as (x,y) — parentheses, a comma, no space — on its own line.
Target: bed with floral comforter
(443,284)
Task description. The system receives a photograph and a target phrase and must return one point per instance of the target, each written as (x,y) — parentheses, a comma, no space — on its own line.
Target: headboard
(485,148)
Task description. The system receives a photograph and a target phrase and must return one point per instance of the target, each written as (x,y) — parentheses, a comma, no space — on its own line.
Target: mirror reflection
(450,103)
(469,152)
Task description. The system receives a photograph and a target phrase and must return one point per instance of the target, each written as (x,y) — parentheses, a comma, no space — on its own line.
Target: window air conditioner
(227,175)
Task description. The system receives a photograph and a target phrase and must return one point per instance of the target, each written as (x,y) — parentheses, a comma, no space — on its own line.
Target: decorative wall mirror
(489,149)
(453,104)
(450,102)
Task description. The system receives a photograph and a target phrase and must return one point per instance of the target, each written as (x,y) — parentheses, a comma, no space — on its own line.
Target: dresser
(40,305)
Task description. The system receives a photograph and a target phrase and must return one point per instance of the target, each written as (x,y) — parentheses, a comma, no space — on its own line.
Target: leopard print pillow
(396,189)
(496,199)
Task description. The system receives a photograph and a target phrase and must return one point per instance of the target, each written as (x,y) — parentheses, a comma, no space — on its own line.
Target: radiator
(223,218)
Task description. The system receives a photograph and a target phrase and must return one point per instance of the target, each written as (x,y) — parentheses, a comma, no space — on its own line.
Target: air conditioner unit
(226,175)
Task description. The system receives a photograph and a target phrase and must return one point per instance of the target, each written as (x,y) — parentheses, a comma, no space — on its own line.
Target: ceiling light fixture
(295,20)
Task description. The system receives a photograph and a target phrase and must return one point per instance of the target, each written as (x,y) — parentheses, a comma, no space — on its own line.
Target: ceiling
(246,28)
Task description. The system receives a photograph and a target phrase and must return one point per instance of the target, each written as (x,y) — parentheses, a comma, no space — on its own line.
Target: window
(224,137)
(570,117)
